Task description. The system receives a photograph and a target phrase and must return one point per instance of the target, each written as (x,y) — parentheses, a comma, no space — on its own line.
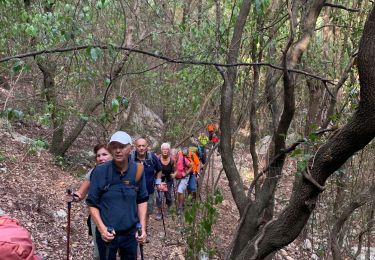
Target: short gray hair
(165,146)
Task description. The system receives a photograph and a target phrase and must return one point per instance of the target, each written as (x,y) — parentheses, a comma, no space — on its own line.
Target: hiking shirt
(166,171)
(118,203)
(203,139)
(151,167)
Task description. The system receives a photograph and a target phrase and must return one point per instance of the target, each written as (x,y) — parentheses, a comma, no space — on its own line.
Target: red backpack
(15,241)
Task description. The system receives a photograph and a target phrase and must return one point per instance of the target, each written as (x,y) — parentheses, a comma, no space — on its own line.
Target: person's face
(103,155)
(165,151)
(141,146)
(119,151)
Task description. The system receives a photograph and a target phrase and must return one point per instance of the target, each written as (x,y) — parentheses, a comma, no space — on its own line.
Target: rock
(307,244)
(3,170)
(203,255)
(2,212)
(60,214)
(21,138)
(148,123)
(362,256)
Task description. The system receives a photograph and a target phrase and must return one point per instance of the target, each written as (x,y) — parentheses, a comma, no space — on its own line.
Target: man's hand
(107,236)
(71,197)
(141,238)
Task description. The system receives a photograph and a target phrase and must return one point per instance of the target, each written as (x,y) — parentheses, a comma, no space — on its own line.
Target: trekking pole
(139,230)
(109,230)
(175,193)
(161,210)
(69,191)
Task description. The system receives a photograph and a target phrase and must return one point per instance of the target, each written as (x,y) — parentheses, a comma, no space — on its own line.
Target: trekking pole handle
(139,229)
(69,191)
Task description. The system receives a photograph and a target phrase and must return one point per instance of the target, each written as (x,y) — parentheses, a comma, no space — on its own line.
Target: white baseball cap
(121,137)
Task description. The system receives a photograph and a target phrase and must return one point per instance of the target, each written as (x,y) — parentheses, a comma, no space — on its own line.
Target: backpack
(148,157)
(201,154)
(184,165)
(15,241)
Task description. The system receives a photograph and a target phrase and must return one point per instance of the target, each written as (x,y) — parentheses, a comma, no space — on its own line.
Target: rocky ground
(32,189)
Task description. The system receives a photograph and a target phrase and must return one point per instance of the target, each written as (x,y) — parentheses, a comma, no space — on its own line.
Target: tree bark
(229,76)
(354,136)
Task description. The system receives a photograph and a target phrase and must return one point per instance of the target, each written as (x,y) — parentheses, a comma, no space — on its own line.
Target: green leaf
(301,166)
(296,152)
(107,81)
(17,66)
(31,30)
(115,105)
(125,102)
(313,137)
(84,118)
(94,54)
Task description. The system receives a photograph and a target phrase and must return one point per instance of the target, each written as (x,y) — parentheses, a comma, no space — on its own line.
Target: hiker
(117,201)
(152,169)
(102,155)
(194,173)
(203,139)
(183,168)
(167,168)
(210,129)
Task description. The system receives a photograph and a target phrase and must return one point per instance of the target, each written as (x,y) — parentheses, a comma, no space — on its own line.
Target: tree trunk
(354,136)
(229,76)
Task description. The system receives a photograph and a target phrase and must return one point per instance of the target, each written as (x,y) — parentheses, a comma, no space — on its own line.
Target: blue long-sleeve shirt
(118,203)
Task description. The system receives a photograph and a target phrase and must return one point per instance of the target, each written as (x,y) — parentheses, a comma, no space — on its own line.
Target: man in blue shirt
(152,169)
(118,202)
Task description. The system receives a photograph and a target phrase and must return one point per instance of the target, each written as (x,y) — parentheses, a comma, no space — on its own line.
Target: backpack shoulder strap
(151,159)
(139,172)
(132,156)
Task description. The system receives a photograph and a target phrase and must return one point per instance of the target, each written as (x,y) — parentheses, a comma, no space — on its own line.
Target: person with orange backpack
(210,129)
(194,174)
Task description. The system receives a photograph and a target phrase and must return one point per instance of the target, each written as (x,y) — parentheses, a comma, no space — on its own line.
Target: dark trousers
(127,244)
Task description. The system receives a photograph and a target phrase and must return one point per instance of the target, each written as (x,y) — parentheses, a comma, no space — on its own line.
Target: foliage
(12,114)
(37,145)
(199,219)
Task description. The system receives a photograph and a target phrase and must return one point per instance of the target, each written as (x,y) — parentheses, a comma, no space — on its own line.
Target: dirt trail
(32,189)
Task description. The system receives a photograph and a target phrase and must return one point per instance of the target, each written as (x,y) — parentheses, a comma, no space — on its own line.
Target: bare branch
(161,57)
(342,7)
(306,174)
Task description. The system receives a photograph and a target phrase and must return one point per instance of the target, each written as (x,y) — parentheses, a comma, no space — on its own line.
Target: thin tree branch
(161,57)
(342,7)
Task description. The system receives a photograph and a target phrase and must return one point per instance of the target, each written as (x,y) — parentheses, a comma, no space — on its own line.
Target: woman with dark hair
(102,155)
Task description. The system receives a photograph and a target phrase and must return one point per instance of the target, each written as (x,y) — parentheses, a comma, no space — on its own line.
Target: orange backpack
(15,241)
(210,127)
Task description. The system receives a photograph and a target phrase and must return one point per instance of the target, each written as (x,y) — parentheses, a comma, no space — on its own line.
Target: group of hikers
(130,181)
